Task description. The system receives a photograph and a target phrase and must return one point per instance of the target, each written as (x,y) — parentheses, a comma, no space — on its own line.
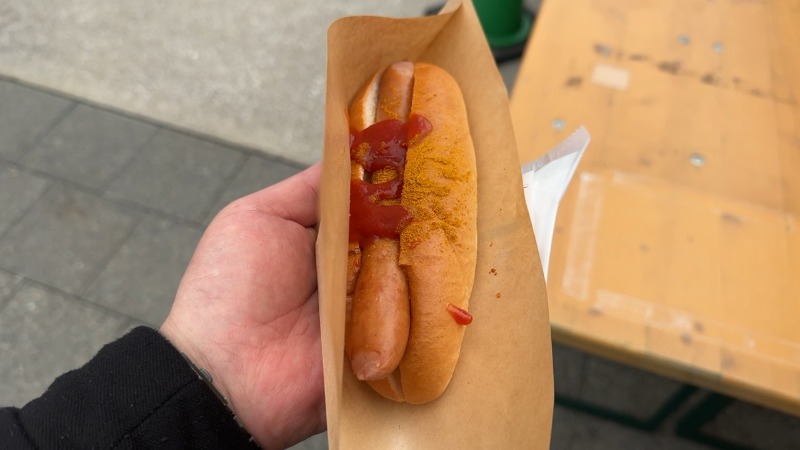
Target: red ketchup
(461,316)
(382,145)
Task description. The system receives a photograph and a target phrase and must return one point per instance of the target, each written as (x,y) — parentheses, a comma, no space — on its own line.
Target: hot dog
(413,231)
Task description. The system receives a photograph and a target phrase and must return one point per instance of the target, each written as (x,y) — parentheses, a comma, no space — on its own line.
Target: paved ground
(208,65)
(100,211)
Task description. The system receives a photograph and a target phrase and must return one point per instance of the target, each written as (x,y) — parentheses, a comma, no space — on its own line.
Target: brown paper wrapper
(501,394)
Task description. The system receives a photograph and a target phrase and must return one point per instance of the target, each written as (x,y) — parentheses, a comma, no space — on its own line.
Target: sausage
(380,313)
(379,309)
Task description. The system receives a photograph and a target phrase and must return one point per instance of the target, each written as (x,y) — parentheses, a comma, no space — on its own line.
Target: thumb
(295,198)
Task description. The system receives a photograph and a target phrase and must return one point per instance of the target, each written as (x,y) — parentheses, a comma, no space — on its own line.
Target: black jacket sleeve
(137,392)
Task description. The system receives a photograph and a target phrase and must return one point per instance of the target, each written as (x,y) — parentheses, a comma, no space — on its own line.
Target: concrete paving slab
(568,370)
(583,432)
(177,175)
(65,238)
(43,334)
(25,114)
(257,173)
(250,72)
(755,426)
(316,442)
(18,192)
(89,146)
(562,432)
(624,389)
(8,282)
(142,277)
(509,70)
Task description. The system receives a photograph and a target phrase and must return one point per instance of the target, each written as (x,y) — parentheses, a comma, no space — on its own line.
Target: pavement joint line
(84,288)
(265,153)
(50,127)
(4,301)
(55,179)
(33,204)
(124,166)
(119,201)
(226,183)
(27,281)
(155,213)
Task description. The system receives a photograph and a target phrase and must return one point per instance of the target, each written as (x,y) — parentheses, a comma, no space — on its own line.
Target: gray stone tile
(577,431)
(624,389)
(755,426)
(248,71)
(568,368)
(18,191)
(316,442)
(89,146)
(508,70)
(8,281)
(44,334)
(257,173)
(63,240)
(142,277)
(25,115)
(178,175)
(563,429)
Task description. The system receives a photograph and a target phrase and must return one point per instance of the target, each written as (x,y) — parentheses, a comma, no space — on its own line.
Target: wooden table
(676,247)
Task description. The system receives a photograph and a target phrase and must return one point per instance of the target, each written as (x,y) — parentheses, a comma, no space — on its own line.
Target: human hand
(246,310)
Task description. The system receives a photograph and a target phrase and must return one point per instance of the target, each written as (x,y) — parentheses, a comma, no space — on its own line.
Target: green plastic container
(503,22)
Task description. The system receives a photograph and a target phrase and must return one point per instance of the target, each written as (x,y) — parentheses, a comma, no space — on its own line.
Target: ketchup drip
(461,316)
(380,146)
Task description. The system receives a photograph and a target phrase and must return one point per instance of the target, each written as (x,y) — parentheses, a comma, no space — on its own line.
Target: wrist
(197,361)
